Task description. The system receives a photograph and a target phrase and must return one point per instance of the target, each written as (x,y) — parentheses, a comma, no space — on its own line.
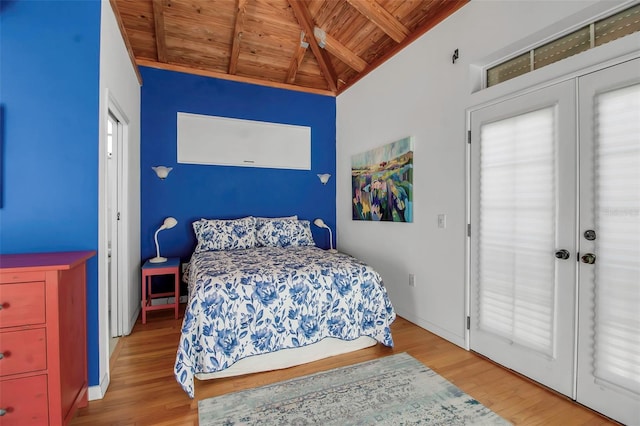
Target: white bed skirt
(289,357)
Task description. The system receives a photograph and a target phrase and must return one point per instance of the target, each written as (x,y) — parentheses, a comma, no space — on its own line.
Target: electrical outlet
(442,220)
(412,280)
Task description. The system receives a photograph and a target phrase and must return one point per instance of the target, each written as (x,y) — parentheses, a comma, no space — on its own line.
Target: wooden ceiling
(317,46)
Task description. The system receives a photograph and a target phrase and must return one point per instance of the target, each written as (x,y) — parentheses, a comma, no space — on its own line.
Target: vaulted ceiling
(318,46)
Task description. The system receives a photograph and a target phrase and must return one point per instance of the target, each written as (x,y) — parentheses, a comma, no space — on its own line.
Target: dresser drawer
(24,401)
(22,304)
(23,351)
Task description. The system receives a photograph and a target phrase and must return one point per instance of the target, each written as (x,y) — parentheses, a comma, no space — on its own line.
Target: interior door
(609,242)
(523,236)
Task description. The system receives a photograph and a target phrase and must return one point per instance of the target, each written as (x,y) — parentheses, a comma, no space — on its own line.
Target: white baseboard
(98,391)
(132,321)
(429,326)
(167,300)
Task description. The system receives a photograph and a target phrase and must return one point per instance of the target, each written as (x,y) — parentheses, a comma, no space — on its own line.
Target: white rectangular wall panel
(204,139)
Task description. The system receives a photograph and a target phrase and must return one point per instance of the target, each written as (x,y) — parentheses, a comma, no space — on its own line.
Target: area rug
(394,390)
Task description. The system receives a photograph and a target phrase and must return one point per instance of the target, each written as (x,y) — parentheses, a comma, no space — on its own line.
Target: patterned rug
(394,390)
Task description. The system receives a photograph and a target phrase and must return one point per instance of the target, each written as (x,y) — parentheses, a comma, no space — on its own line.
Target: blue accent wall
(49,93)
(193,191)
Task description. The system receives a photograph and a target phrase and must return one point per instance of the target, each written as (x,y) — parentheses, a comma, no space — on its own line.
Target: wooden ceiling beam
(224,76)
(237,36)
(296,60)
(340,51)
(383,19)
(158,22)
(127,43)
(305,21)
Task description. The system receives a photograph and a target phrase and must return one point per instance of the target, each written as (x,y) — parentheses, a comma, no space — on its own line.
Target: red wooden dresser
(43,338)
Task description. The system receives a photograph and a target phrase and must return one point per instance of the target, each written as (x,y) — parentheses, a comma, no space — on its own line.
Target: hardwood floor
(143,390)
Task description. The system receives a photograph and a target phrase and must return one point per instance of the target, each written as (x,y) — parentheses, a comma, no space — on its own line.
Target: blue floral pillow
(260,221)
(213,234)
(284,233)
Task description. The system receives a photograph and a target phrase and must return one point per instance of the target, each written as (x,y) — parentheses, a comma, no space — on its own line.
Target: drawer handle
(2,412)
(1,355)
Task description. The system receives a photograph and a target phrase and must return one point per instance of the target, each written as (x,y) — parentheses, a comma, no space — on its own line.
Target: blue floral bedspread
(259,300)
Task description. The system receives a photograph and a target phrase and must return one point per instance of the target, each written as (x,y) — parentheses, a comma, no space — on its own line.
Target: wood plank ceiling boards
(316,46)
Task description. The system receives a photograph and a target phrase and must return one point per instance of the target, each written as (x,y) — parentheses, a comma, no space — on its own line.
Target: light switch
(442,220)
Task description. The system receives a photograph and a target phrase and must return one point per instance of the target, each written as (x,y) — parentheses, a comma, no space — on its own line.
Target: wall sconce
(162,171)
(168,223)
(324,178)
(320,224)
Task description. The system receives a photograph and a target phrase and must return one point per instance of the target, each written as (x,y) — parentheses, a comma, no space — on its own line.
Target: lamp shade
(324,178)
(162,171)
(320,223)
(169,223)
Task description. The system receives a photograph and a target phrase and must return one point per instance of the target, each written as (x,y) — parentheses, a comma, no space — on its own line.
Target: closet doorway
(116,248)
(555,242)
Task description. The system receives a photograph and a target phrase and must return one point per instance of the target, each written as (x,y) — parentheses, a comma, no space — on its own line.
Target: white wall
(118,82)
(421,93)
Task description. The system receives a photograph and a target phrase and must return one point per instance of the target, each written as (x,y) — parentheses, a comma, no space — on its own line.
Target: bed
(273,301)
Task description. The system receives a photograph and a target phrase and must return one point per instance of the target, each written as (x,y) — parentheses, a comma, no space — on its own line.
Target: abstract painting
(382,183)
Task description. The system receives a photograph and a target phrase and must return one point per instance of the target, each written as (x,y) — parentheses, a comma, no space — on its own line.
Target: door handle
(563,254)
(589,258)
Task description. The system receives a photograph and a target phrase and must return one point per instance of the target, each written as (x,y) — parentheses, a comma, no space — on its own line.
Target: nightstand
(150,270)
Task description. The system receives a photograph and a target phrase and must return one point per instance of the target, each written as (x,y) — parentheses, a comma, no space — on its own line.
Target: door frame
(115,187)
(111,106)
(121,254)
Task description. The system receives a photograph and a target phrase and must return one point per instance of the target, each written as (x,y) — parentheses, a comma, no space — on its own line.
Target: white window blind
(617,334)
(517,229)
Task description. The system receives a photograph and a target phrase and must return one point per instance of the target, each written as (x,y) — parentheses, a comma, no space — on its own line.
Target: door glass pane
(619,25)
(562,48)
(509,69)
(517,229)
(617,169)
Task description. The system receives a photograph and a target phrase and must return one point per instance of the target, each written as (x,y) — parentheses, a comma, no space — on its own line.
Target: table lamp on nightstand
(169,223)
(320,224)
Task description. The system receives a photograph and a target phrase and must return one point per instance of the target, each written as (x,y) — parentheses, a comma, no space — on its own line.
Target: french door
(523,213)
(609,304)
(555,241)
